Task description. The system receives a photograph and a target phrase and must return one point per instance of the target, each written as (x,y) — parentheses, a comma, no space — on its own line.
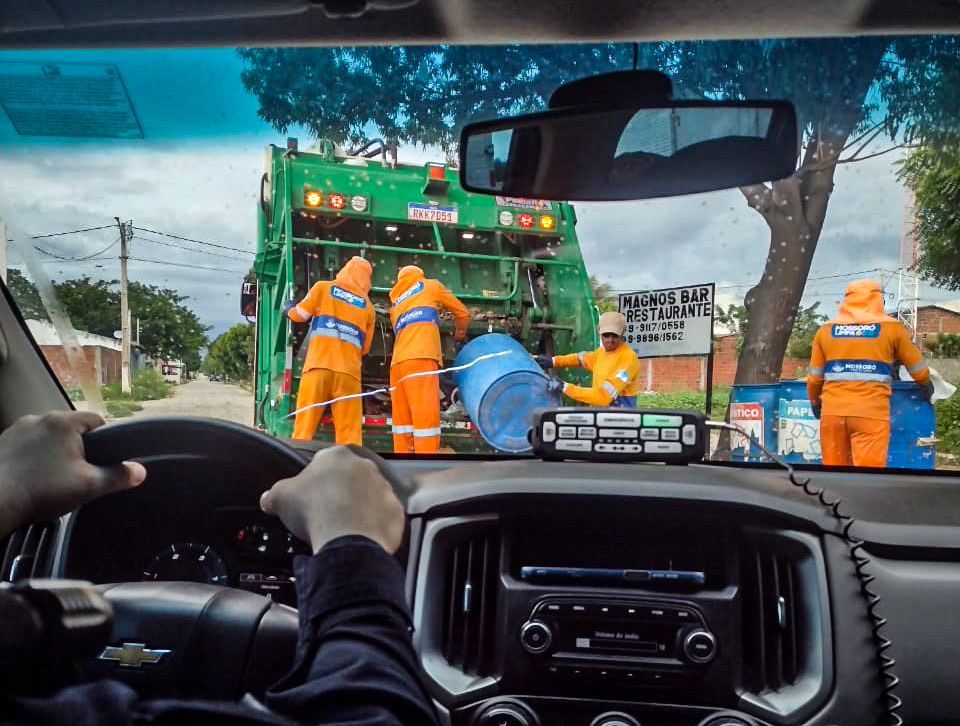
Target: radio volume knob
(535,636)
(699,646)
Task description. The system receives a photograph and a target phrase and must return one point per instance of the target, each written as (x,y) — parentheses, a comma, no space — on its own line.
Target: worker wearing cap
(851,374)
(341,320)
(415,303)
(614,366)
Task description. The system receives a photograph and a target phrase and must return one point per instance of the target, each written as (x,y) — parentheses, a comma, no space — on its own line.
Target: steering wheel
(189,639)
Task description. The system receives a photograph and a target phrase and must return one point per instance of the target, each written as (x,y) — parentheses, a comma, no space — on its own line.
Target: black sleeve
(355,659)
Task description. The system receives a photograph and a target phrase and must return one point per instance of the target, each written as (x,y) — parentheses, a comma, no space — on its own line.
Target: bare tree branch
(866,133)
(879,153)
(863,146)
(759,197)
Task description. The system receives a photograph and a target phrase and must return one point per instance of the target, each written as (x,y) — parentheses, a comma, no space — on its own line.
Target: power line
(191,267)
(191,249)
(77,259)
(195,241)
(73,231)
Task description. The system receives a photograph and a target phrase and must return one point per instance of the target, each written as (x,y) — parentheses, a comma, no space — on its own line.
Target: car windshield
(182,228)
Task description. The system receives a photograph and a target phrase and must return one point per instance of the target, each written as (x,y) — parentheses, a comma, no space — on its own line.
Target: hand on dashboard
(338,493)
(43,472)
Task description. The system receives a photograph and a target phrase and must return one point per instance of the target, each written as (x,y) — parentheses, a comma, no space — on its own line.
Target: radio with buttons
(633,641)
(619,434)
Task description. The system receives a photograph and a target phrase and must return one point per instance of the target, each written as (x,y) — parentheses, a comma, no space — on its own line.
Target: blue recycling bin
(782,413)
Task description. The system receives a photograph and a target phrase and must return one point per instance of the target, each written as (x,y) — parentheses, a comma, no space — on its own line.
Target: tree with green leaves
(849,93)
(934,176)
(230,355)
(168,328)
(603,296)
(26,295)
(805,326)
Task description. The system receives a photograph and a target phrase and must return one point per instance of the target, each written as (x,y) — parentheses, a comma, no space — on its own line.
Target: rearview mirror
(635,152)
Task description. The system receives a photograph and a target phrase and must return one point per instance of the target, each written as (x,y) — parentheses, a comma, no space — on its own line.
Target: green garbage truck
(515,263)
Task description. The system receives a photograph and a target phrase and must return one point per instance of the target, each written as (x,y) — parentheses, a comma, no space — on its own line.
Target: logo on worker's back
(347,296)
(409,292)
(422,314)
(871,330)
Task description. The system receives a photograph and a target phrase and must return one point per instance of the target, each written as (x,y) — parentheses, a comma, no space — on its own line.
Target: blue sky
(196,175)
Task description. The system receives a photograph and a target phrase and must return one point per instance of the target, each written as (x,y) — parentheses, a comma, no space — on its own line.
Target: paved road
(204,398)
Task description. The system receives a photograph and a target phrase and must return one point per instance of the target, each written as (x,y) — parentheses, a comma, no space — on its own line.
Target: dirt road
(205,398)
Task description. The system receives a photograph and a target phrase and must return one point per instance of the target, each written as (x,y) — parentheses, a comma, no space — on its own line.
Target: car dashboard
(607,594)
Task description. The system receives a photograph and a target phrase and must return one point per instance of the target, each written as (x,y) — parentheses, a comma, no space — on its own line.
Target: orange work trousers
(416,407)
(320,384)
(846,440)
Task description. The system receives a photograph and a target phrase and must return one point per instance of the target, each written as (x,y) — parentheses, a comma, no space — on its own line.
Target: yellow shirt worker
(614,366)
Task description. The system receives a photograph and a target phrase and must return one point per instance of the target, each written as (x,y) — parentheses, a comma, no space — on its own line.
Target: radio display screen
(607,637)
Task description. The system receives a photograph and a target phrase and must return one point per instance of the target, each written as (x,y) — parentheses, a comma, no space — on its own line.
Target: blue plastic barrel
(754,407)
(911,418)
(501,391)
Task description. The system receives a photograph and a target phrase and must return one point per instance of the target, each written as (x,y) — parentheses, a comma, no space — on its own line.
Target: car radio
(622,636)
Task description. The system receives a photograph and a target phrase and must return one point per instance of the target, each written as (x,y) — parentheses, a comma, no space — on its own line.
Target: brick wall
(931,321)
(109,362)
(689,372)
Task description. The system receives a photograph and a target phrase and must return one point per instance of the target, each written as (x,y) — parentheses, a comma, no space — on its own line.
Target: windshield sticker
(423,212)
(67,99)
(540,205)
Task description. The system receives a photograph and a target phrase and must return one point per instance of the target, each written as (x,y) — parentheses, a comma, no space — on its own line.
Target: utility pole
(126,232)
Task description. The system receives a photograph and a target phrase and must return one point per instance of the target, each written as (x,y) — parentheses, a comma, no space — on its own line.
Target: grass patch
(147,385)
(122,409)
(687,399)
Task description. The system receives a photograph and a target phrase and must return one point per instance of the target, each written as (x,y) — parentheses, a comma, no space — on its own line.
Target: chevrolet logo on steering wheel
(132,655)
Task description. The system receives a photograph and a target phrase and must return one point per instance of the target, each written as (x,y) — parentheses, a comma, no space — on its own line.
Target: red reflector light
(313,198)
(437,172)
(526,220)
(547,221)
(287,380)
(337,201)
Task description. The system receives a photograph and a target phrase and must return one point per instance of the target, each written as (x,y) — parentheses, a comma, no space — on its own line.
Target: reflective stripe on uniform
(420,314)
(610,388)
(402,429)
(333,327)
(426,432)
(580,358)
(302,313)
(816,370)
(917,366)
(858,369)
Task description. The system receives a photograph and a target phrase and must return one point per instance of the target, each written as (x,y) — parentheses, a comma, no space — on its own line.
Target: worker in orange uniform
(614,366)
(414,312)
(341,330)
(851,375)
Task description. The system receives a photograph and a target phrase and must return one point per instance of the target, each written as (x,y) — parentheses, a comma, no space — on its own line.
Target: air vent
(27,551)
(470,598)
(771,591)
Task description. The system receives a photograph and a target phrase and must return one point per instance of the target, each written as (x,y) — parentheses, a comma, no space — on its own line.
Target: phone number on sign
(655,337)
(654,327)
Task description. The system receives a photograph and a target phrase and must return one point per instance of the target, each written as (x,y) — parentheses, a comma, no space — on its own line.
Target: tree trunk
(794,209)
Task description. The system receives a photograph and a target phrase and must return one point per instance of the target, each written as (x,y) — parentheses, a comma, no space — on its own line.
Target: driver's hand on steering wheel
(43,472)
(336,494)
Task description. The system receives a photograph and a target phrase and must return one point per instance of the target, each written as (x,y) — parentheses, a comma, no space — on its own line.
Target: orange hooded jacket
(415,316)
(853,358)
(342,317)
